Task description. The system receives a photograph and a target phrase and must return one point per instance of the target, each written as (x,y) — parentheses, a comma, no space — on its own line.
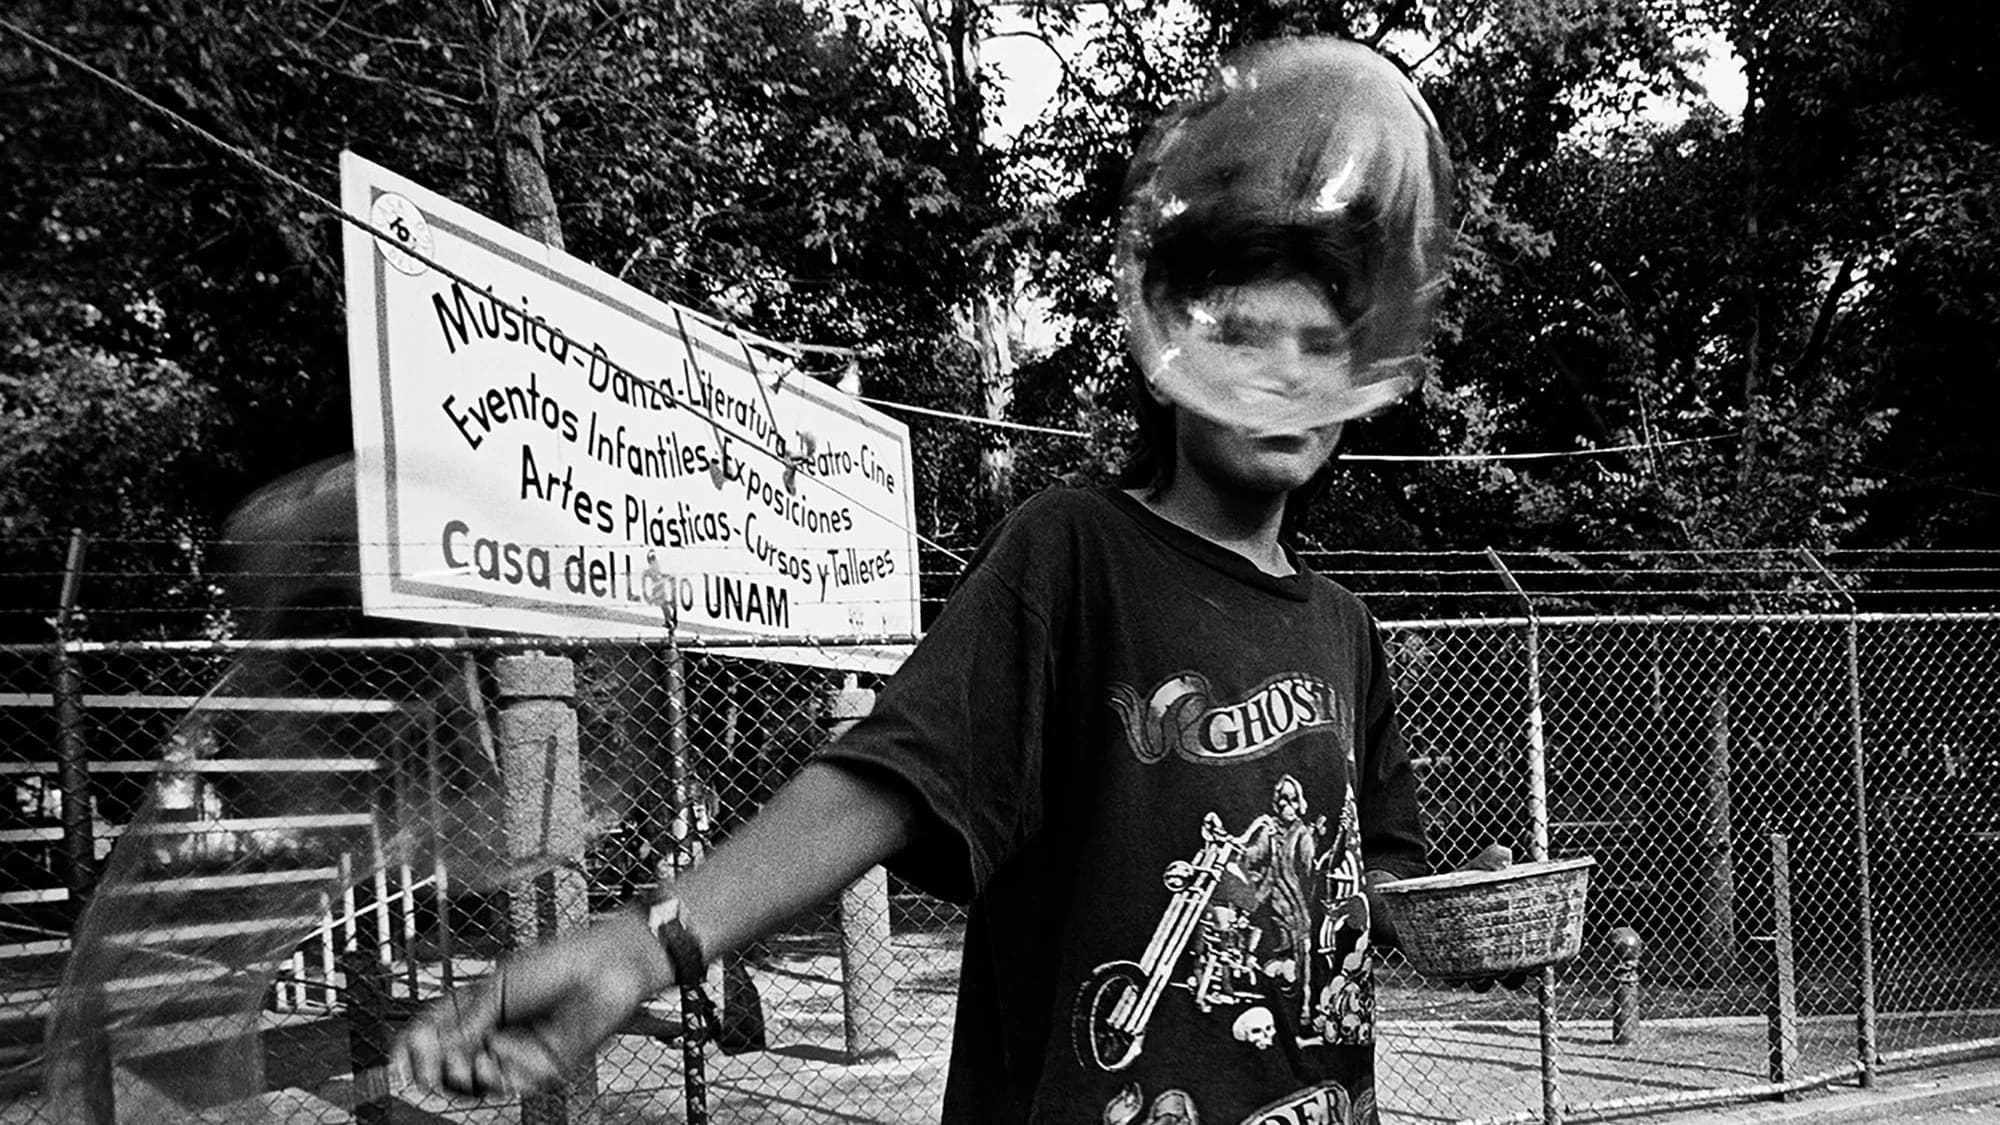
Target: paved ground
(1491,1072)
(1445,1058)
(1960,1093)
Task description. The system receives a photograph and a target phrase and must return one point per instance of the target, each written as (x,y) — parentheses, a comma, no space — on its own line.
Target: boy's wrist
(639,946)
(677,948)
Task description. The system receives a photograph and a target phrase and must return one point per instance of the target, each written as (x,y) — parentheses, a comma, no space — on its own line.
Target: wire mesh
(319,834)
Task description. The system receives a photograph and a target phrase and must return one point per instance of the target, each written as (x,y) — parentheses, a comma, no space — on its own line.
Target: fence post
(1538,842)
(689,840)
(72,753)
(1783,993)
(867,961)
(541,772)
(440,870)
(687,830)
(367,1005)
(1718,860)
(1864,888)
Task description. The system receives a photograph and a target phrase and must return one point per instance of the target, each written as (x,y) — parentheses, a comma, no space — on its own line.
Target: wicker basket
(1471,924)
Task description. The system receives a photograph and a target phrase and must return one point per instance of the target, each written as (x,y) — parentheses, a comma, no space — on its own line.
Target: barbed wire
(1610,578)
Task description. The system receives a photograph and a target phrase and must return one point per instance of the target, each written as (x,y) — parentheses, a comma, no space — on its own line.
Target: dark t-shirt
(1132,750)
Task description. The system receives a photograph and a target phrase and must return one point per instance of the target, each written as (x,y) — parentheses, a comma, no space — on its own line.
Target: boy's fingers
(431,1052)
(414,1058)
(473,1011)
(419,1052)
(456,1070)
(467,1044)
(529,1063)
(489,1074)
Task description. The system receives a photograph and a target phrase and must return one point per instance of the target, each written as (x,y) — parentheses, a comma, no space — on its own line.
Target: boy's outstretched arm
(546,1008)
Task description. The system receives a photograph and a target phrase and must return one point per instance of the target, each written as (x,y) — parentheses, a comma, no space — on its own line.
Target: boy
(1130,687)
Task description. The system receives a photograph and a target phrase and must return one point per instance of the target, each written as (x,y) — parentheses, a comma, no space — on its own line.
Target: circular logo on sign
(401,233)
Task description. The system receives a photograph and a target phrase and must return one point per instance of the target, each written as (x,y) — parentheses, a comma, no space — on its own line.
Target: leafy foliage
(746,158)
(1792,308)
(1757,298)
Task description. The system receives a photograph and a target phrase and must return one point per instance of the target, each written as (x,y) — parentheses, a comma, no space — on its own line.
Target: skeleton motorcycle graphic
(1116,1002)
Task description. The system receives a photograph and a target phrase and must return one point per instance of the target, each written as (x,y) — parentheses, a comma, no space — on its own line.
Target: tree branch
(1137,44)
(1829,308)
(940,49)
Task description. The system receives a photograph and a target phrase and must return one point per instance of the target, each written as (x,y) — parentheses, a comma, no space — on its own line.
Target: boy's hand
(541,1013)
(1381,931)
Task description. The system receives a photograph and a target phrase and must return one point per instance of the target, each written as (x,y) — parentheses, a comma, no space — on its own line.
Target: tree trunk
(1807,369)
(1748,466)
(986,315)
(1718,858)
(520,156)
(996,393)
(527,204)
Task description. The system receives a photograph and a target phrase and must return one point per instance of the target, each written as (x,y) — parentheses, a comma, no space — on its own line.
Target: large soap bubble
(1284,239)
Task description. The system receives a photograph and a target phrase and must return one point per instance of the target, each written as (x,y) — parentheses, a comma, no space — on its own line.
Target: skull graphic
(1256,1027)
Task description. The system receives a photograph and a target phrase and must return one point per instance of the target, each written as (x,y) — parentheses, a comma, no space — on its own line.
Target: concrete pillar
(867,960)
(536,740)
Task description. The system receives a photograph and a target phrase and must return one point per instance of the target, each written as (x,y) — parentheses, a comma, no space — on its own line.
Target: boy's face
(1256,373)
(1272,357)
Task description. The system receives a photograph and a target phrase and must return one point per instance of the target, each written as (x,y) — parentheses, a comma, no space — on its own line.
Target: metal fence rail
(1797,816)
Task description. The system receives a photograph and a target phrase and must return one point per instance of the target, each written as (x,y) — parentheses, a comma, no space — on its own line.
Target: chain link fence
(1797,817)
(1715,767)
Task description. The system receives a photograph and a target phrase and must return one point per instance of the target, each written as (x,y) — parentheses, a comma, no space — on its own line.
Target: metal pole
(368,1034)
(1718,854)
(1865,1027)
(684,830)
(1864,1017)
(440,867)
(696,1012)
(1783,997)
(1538,844)
(72,752)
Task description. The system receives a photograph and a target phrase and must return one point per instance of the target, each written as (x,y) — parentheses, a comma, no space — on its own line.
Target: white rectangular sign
(542,448)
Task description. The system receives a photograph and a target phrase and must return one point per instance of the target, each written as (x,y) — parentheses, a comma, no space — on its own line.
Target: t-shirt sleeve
(1392,830)
(960,724)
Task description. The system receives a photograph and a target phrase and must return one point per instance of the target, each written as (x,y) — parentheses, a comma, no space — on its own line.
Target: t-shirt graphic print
(1265,928)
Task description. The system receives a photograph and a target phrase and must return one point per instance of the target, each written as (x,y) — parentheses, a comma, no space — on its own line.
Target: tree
(746,158)
(1509,84)
(1813,280)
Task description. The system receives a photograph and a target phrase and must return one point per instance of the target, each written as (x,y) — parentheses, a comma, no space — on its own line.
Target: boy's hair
(1302,158)
(1197,254)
